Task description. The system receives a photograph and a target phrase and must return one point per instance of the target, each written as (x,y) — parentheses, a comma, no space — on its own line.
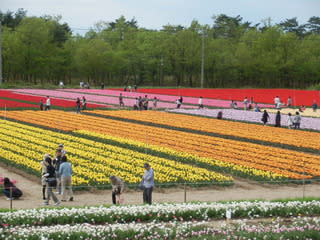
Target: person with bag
(10,190)
(147,183)
(51,182)
(117,189)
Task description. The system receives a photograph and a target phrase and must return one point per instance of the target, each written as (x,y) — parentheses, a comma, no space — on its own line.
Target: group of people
(56,175)
(80,103)
(142,103)
(146,184)
(45,106)
(292,121)
(130,89)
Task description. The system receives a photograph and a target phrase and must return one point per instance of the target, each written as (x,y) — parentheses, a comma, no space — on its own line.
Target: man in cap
(148,183)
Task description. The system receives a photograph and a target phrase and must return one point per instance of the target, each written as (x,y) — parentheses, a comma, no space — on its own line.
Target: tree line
(234,52)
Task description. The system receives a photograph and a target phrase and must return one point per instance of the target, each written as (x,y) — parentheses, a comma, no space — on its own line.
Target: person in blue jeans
(148,183)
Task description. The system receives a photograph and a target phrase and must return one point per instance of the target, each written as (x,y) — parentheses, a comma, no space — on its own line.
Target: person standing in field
(51,183)
(278,119)
(57,163)
(48,104)
(289,102)
(200,102)
(121,103)
(155,102)
(314,106)
(78,105)
(245,103)
(65,172)
(265,117)
(147,183)
(41,105)
(117,189)
(290,121)
(276,102)
(84,103)
(43,165)
(178,103)
(297,120)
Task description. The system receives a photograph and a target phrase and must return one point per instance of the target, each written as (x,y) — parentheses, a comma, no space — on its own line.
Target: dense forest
(228,53)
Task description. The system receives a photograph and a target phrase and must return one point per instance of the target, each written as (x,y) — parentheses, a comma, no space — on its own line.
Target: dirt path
(241,190)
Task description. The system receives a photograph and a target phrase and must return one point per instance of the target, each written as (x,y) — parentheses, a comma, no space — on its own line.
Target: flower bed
(251,160)
(299,97)
(5,104)
(306,228)
(237,129)
(8,94)
(92,161)
(101,99)
(250,116)
(160,212)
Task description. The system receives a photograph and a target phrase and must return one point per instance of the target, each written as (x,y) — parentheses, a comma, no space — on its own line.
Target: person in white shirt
(276,101)
(200,102)
(48,104)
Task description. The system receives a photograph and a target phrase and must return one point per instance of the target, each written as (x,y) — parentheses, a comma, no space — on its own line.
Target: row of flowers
(162,97)
(298,228)
(255,117)
(112,99)
(231,128)
(95,161)
(299,97)
(5,104)
(56,102)
(268,162)
(165,212)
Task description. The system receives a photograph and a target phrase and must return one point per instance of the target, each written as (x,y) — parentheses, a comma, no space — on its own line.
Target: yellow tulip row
(95,161)
(257,159)
(245,130)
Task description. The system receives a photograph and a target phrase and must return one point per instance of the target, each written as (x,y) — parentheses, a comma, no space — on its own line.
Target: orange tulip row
(280,162)
(304,139)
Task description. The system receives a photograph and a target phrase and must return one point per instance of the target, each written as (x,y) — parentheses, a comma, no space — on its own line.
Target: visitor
(56,164)
(117,189)
(61,148)
(65,172)
(41,105)
(51,183)
(136,105)
(135,88)
(245,103)
(121,103)
(200,102)
(140,103)
(102,85)
(278,119)
(256,108)
(61,84)
(78,105)
(314,106)
(290,121)
(155,102)
(219,115)
(145,102)
(265,117)
(43,165)
(297,121)
(48,104)
(84,103)
(276,101)
(302,108)
(233,104)
(289,102)
(178,103)
(10,190)
(147,183)
(181,99)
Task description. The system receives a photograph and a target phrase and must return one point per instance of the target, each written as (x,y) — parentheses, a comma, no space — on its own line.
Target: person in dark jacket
(265,117)
(51,182)
(278,119)
(10,190)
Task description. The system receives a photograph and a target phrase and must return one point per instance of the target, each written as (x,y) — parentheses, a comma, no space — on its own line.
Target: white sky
(153,14)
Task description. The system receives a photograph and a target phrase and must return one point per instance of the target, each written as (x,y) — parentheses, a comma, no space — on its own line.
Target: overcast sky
(153,14)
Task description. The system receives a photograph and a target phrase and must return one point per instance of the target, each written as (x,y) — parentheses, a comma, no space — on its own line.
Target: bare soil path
(242,190)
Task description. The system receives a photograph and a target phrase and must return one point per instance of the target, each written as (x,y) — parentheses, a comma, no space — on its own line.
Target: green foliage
(236,53)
